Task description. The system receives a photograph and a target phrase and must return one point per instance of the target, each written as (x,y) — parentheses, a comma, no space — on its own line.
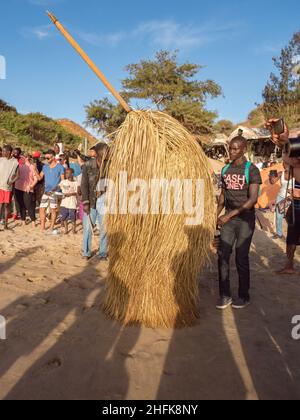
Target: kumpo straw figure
(156,250)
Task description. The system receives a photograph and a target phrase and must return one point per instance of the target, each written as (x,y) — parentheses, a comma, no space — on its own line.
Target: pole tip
(52,17)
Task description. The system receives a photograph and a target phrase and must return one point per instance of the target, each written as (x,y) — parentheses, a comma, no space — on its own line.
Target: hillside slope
(32,131)
(77,130)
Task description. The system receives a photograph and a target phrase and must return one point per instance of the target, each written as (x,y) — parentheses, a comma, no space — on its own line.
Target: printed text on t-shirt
(235,182)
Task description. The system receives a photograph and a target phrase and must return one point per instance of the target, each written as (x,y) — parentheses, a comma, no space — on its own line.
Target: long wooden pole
(86,58)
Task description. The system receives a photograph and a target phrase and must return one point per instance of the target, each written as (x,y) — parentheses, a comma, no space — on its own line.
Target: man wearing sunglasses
(53,173)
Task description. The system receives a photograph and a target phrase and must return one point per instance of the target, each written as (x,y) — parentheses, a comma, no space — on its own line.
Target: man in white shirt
(9,174)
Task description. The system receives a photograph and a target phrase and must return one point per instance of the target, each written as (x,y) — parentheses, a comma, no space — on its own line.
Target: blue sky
(234,40)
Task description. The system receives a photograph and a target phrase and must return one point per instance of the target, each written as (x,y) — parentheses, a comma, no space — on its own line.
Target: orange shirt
(269,192)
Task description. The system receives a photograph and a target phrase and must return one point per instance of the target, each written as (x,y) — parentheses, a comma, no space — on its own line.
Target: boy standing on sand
(69,203)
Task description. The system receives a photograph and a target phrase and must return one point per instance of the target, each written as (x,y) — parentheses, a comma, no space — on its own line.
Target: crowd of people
(61,187)
(69,185)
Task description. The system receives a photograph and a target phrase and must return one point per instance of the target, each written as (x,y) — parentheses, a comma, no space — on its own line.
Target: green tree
(166,85)
(103,116)
(256,117)
(282,92)
(224,127)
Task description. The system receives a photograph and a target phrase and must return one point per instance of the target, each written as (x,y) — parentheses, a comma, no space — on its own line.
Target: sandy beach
(60,345)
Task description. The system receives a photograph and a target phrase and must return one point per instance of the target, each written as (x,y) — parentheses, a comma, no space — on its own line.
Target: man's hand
(222,221)
(86,208)
(279,140)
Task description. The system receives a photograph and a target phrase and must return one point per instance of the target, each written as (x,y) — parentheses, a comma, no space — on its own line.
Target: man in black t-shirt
(240,190)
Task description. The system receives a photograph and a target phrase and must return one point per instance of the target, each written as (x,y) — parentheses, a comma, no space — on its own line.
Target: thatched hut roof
(251,133)
(220,138)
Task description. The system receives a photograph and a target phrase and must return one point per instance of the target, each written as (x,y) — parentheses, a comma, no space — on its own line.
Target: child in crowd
(69,204)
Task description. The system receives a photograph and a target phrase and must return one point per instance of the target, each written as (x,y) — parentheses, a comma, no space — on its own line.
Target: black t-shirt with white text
(236,188)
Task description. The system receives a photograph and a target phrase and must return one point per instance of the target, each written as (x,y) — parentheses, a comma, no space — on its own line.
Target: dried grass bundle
(155,260)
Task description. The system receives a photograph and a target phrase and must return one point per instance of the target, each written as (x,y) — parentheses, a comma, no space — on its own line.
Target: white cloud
(39,32)
(170,34)
(98,40)
(167,34)
(161,33)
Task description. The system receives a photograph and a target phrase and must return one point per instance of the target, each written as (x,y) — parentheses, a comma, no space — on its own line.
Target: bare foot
(8,228)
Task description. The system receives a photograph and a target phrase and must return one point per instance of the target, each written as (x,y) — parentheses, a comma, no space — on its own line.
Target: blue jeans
(279,217)
(95,215)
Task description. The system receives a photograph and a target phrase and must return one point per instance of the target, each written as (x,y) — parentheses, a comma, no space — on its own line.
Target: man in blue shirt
(53,173)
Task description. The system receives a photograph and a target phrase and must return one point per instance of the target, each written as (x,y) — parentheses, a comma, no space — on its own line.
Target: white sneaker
(54,232)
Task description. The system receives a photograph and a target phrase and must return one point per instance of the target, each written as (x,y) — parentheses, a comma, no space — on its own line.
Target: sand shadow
(61,346)
(200,364)
(265,327)
(18,256)
(238,355)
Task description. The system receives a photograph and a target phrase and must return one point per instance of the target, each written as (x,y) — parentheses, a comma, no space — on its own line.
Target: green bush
(33,130)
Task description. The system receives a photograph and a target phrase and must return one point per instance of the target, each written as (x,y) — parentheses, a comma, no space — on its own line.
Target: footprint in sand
(22,306)
(51,365)
(35,279)
(42,301)
(54,363)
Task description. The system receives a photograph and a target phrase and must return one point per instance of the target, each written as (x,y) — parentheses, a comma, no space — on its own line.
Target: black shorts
(68,214)
(293,236)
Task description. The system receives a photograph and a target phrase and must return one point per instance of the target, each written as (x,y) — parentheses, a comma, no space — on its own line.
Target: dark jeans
(39,191)
(26,201)
(240,232)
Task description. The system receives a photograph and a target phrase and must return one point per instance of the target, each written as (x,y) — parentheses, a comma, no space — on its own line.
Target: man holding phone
(280,137)
(53,173)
